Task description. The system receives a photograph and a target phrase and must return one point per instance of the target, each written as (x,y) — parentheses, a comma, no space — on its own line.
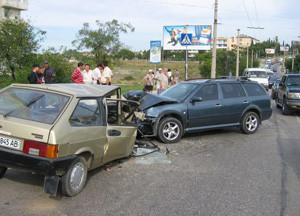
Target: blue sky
(63,19)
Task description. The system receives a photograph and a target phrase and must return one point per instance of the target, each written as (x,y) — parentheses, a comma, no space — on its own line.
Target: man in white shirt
(106,75)
(87,75)
(97,74)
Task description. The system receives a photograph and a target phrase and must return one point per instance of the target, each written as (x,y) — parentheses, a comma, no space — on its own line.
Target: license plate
(10,143)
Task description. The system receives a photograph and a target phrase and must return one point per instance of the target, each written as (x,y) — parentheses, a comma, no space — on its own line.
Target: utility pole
(247,66)
(238,55)
(214,51)
(252,59)
(293,60)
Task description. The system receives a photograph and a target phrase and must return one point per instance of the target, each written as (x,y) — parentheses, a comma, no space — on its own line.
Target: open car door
(121,128)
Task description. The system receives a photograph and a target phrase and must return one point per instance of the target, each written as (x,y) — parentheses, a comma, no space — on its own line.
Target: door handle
(218,105)
(114,133)
(245,102)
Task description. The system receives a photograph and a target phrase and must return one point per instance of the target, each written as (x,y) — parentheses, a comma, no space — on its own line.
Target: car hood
(151,100)
(260,80)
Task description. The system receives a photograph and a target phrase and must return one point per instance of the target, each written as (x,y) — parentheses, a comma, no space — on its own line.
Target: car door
(121,129)
(207,110)
(281,90)
(234,101)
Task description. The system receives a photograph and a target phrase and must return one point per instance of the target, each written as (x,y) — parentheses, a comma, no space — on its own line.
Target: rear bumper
(43,166)
(293,104)
(266,114)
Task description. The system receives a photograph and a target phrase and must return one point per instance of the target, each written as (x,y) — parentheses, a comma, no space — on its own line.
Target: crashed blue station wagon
(197,105)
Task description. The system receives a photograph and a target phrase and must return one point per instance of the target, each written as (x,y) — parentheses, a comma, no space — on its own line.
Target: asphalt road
(220,172)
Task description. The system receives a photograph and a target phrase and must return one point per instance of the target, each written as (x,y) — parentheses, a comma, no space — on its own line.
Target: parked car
(275,88)
(259,75)
(289,93)
(202,105)
(63,130)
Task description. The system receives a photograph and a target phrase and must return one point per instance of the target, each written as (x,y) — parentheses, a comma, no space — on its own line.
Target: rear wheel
(170,130)
(249,123)
(2,171)
(75,178)
(285,108)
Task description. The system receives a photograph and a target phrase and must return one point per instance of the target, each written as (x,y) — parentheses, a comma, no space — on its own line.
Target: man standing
(158,77)
(149,81)
(106,75)
(77,74)
(48,73)
(87,75)
(97,74)
(33,78)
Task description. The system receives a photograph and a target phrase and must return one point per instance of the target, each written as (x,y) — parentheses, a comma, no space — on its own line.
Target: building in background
(11,9)
(230,43)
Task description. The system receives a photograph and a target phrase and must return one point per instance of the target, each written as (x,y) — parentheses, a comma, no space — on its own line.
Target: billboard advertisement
(270,51)
(155,52)
(284,49)
(201,37)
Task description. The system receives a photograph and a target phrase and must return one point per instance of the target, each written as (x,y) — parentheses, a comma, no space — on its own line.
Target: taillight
(40,149)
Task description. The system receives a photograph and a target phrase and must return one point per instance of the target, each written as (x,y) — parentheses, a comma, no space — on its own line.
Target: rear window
(232,90)
(32,105)
(254,89)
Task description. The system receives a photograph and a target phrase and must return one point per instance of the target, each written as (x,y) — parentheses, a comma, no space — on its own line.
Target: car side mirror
(196,99)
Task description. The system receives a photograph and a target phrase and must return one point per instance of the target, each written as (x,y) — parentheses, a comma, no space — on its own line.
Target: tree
(18,42)
(125,54)
(104,42)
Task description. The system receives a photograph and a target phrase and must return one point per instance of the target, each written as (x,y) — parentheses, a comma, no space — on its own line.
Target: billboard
(270,51)
(201,37)
(155,52)
(284,49)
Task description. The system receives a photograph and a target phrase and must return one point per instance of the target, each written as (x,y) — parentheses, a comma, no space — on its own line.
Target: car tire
(249,123)
(73,181)
(277,103)
(2,171)
(170,130)
(285,108)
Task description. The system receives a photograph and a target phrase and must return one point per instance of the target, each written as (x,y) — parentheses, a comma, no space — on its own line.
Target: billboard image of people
(201,39)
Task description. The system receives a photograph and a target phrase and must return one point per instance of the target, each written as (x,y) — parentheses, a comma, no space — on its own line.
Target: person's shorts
(149,88)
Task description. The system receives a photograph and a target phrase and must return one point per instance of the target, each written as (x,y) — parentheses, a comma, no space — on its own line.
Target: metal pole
(284,59)
(186,63)
(252,59)
(214,51)
(238,55)
(293,60)
(247,57)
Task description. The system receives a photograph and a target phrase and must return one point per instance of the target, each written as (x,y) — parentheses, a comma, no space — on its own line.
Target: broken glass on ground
(154,158)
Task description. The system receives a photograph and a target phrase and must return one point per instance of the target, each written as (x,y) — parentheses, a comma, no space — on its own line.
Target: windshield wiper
(26,105)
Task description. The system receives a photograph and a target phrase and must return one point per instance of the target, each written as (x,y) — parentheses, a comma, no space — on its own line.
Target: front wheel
(74,179)
(285,108)
(170,130)
(2,171)
(249,123)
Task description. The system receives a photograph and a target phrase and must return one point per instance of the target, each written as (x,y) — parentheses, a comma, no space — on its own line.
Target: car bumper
(266,114)
(43,166)
(293,104)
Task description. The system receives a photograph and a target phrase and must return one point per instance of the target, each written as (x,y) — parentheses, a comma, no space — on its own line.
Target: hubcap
(171,131)
(77,175)
(251,123)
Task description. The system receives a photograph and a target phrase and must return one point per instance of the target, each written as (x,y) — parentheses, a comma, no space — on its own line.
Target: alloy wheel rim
(77,176)
(171,131)
(251,123)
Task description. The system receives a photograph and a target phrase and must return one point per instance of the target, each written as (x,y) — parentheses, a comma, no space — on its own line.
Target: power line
(248,17)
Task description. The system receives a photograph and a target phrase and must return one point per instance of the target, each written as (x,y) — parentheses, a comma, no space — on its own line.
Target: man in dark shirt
(33,78)
(48,73)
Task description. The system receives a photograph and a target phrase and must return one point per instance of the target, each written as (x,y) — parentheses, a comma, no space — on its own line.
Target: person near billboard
(149,81)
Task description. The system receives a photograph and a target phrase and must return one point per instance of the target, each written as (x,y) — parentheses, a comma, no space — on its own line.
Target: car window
(33,105)
(232,90)
(86,113)
(180,91)
(254,89)
(209,92)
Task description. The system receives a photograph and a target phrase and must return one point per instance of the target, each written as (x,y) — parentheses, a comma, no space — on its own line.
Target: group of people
(101,75)
(160,80)
(41,75)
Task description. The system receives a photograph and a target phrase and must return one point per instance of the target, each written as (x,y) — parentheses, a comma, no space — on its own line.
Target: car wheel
(285,108)
(170,130)
(2,171)
(250,123)
(277,103)
(74,179)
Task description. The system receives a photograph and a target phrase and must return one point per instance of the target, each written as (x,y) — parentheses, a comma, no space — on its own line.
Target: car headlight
(294,95)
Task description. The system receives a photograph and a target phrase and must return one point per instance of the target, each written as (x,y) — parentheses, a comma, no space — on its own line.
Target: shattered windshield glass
(180,91)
